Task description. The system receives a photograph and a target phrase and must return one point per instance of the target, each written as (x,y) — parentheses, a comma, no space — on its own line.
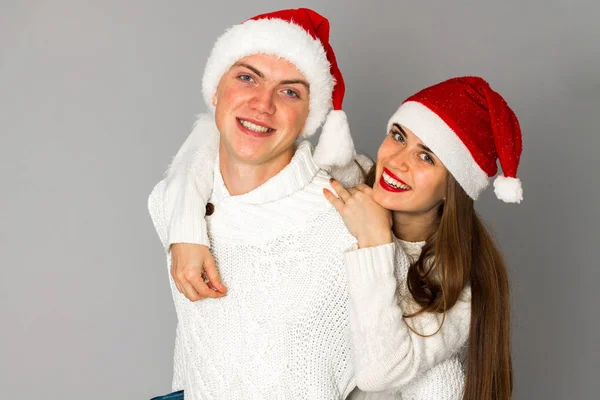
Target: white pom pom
(352,173)
(508,189)
(335,146)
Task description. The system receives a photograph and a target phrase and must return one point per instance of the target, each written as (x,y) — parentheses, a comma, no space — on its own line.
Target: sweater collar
(412,249)
(294,177)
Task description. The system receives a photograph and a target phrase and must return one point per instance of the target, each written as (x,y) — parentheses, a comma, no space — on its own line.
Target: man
(280,329)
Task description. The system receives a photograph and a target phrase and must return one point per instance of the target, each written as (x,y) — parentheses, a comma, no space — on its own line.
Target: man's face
(261,105)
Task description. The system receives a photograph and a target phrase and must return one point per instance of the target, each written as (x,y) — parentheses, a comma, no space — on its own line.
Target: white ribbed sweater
(290,204)
(282,330)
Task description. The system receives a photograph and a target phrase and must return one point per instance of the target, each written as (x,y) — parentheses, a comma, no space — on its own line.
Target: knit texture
(282,330)
(388,356)
(188,183)
(273,245)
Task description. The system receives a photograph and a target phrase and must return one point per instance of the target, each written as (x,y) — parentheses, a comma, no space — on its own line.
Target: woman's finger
(214,280)
(175,280)
(366,189)
(191,293)
(341,191)
(335,202)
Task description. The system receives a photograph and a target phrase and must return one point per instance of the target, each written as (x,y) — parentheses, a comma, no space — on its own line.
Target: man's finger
(214,279)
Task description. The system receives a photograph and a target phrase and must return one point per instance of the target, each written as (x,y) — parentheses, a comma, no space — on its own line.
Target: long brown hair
(461,252)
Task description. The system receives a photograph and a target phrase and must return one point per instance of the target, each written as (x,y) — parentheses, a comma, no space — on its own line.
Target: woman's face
(409,177)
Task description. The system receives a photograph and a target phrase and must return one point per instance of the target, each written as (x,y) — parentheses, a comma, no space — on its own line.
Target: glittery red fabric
(481,118)
(317,26)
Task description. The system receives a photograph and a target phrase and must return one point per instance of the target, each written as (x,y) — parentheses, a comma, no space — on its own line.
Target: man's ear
(214,99)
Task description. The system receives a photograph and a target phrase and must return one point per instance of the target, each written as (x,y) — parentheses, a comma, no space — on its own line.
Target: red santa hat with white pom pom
(301,36)
(469,127)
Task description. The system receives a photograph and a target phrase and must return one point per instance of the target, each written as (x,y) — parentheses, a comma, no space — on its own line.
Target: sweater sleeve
(177,203)
(387,354)
(444,381)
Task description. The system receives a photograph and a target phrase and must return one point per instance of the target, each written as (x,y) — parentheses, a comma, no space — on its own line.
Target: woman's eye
(426,157)
(398,137)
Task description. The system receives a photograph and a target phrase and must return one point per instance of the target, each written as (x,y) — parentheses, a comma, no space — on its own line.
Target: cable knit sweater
(282,330)
(264,228)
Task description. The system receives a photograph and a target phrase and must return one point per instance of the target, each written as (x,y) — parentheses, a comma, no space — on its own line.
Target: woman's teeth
(394,183)
(254,127)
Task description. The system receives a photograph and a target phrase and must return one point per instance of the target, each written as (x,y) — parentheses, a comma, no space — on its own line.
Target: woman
(441,147)
(427,278)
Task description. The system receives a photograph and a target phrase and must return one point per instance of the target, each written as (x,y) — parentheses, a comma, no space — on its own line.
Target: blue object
(171,396)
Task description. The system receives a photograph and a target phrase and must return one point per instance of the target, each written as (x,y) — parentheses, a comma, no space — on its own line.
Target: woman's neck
(413,227)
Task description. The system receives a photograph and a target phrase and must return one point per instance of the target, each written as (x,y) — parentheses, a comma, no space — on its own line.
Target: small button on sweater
(282,330)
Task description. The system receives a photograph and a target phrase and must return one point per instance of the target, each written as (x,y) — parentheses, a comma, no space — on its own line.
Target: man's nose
(263,100)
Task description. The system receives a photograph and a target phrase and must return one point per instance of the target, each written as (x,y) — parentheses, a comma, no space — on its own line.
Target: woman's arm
(178,202)
(387,354)
(177,206)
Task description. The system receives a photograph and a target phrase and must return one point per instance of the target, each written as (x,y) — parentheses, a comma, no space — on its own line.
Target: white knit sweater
(282,330)
(261,241)
(388,356)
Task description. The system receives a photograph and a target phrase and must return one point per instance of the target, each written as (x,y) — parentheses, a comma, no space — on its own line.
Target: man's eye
(291,93)
(246,78)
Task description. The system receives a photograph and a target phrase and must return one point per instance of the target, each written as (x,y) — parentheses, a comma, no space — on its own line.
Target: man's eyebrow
(401,130)
(250,67)
(261,75)
(295,81)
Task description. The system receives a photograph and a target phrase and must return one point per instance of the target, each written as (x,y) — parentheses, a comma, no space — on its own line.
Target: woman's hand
(194,271)
(366,220)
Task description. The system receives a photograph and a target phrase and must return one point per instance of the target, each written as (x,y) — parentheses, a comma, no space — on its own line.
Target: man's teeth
(394,183)
(254,127)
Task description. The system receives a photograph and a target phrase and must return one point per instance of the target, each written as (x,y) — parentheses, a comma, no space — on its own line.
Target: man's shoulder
(349,175)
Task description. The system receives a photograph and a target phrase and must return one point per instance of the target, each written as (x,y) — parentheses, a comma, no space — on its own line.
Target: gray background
(97,96)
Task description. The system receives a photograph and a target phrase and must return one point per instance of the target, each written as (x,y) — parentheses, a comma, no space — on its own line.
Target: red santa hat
(469,127)
(300,36)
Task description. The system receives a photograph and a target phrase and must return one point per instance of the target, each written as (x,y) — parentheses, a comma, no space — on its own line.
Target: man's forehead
(268,64)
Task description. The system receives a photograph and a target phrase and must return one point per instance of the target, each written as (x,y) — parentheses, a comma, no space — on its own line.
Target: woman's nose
(399,160)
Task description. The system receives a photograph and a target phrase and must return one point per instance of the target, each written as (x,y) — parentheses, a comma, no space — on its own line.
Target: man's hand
(367,221)
(195,273)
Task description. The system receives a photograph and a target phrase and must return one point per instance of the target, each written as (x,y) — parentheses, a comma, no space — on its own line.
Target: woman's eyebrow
(401,130)
(426,148)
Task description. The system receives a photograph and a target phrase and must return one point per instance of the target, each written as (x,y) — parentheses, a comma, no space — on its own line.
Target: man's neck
(242,177)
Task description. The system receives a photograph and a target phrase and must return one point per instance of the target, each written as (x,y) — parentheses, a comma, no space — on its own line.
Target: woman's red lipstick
(389,188)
